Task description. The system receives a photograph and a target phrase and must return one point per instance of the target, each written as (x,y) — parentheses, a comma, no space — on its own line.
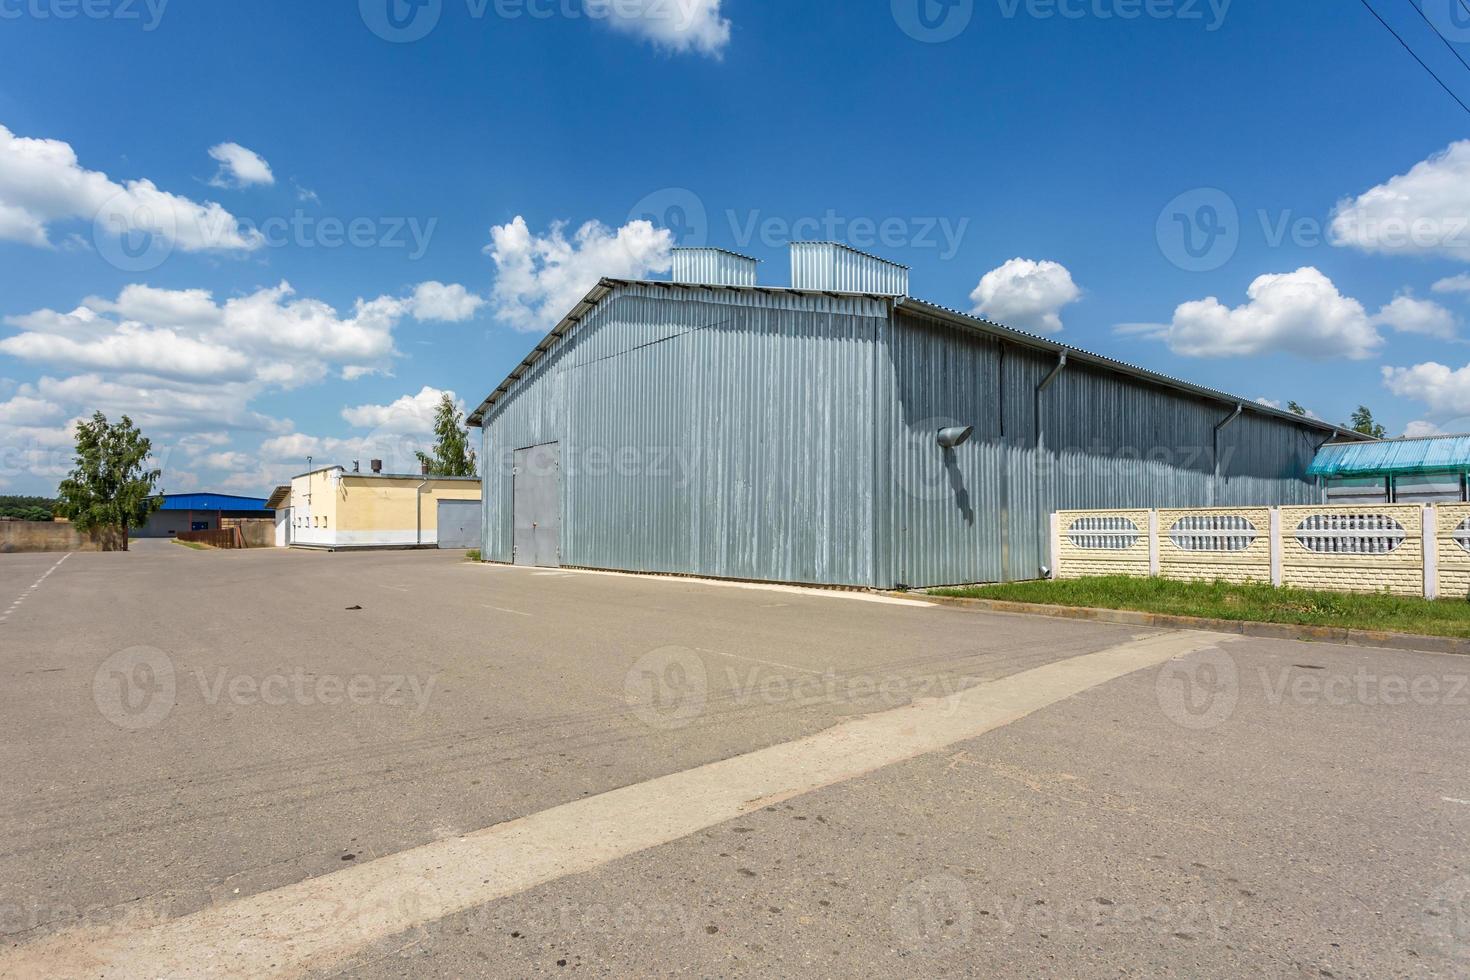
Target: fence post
(1430,521)
(1056,544)
(1153,544)
(1276,577)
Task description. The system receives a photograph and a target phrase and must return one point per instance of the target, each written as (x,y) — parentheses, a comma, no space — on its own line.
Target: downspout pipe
(1046,383)
(1225,423)
(418,512)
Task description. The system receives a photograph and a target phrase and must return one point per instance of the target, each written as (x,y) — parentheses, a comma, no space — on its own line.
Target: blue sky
(1042,166)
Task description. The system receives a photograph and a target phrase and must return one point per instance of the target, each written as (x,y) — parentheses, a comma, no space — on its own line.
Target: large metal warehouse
(713,426)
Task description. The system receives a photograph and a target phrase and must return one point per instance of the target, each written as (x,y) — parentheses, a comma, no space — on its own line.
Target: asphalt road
(184,731)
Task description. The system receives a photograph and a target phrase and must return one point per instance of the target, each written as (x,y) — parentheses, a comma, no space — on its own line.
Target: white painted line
(1451,799)
(757,660)
(729,584)
(513,612)
(33,587)
(318,923)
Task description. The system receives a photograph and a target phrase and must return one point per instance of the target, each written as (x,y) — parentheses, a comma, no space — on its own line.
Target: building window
(1351,534)
(1215,532)
(1103,533)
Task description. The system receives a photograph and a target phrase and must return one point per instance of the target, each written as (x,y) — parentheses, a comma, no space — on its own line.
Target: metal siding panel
(459,523)
(706,433)
(713,266)
(1110,441)
(828,265)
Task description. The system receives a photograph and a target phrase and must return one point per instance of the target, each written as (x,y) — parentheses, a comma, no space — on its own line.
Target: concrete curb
(1274,631)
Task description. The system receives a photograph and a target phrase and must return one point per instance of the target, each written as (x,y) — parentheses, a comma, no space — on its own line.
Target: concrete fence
(1403,549)
(20,536)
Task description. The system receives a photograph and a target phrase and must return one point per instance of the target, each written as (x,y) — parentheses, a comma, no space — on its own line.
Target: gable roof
(607,286)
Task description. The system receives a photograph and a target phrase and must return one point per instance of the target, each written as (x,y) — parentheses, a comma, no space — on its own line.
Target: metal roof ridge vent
(835,267)
(713,267)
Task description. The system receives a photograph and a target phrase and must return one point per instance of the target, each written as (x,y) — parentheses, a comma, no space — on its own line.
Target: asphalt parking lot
(511,772)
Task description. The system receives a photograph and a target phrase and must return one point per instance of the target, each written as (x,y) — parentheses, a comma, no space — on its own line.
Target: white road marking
(513,612)
(1451,799)
(318,923)
(33,587)
(757,660)
(728,584)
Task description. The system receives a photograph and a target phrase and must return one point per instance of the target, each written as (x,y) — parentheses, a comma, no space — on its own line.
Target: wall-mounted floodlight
(955,436)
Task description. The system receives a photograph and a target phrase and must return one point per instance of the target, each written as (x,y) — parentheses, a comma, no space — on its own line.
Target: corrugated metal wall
(830,266)
(723,434)
(713,266)
(979,513)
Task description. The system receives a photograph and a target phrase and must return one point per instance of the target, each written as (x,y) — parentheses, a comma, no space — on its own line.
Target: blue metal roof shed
(1429,455)
(211,501)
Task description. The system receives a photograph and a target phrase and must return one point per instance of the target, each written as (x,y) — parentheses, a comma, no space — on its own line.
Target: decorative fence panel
(1111,542)
(1453,560)
(1403,549)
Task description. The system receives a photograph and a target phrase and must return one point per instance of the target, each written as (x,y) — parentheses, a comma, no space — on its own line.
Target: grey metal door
(538,506)
(459,524)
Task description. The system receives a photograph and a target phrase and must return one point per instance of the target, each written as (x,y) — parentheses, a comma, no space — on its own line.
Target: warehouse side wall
(980,513)
(702,432)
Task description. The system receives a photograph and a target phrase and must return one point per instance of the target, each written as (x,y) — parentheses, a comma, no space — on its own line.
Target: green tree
(110,488)
(1296,409)
(1363,421)
(452,453)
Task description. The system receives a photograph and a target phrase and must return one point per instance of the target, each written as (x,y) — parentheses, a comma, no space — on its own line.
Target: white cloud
(239,167)
(1298,312)
(269,337)
(450,304)
(1418,316)
(541,277)
(1419,429)
(409,415)
(1454,284)
(1423,212)
(41,182)
(1445,390)
(675,25)
(1026,295)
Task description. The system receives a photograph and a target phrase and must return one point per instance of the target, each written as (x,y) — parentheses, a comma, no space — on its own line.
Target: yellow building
(332,508)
